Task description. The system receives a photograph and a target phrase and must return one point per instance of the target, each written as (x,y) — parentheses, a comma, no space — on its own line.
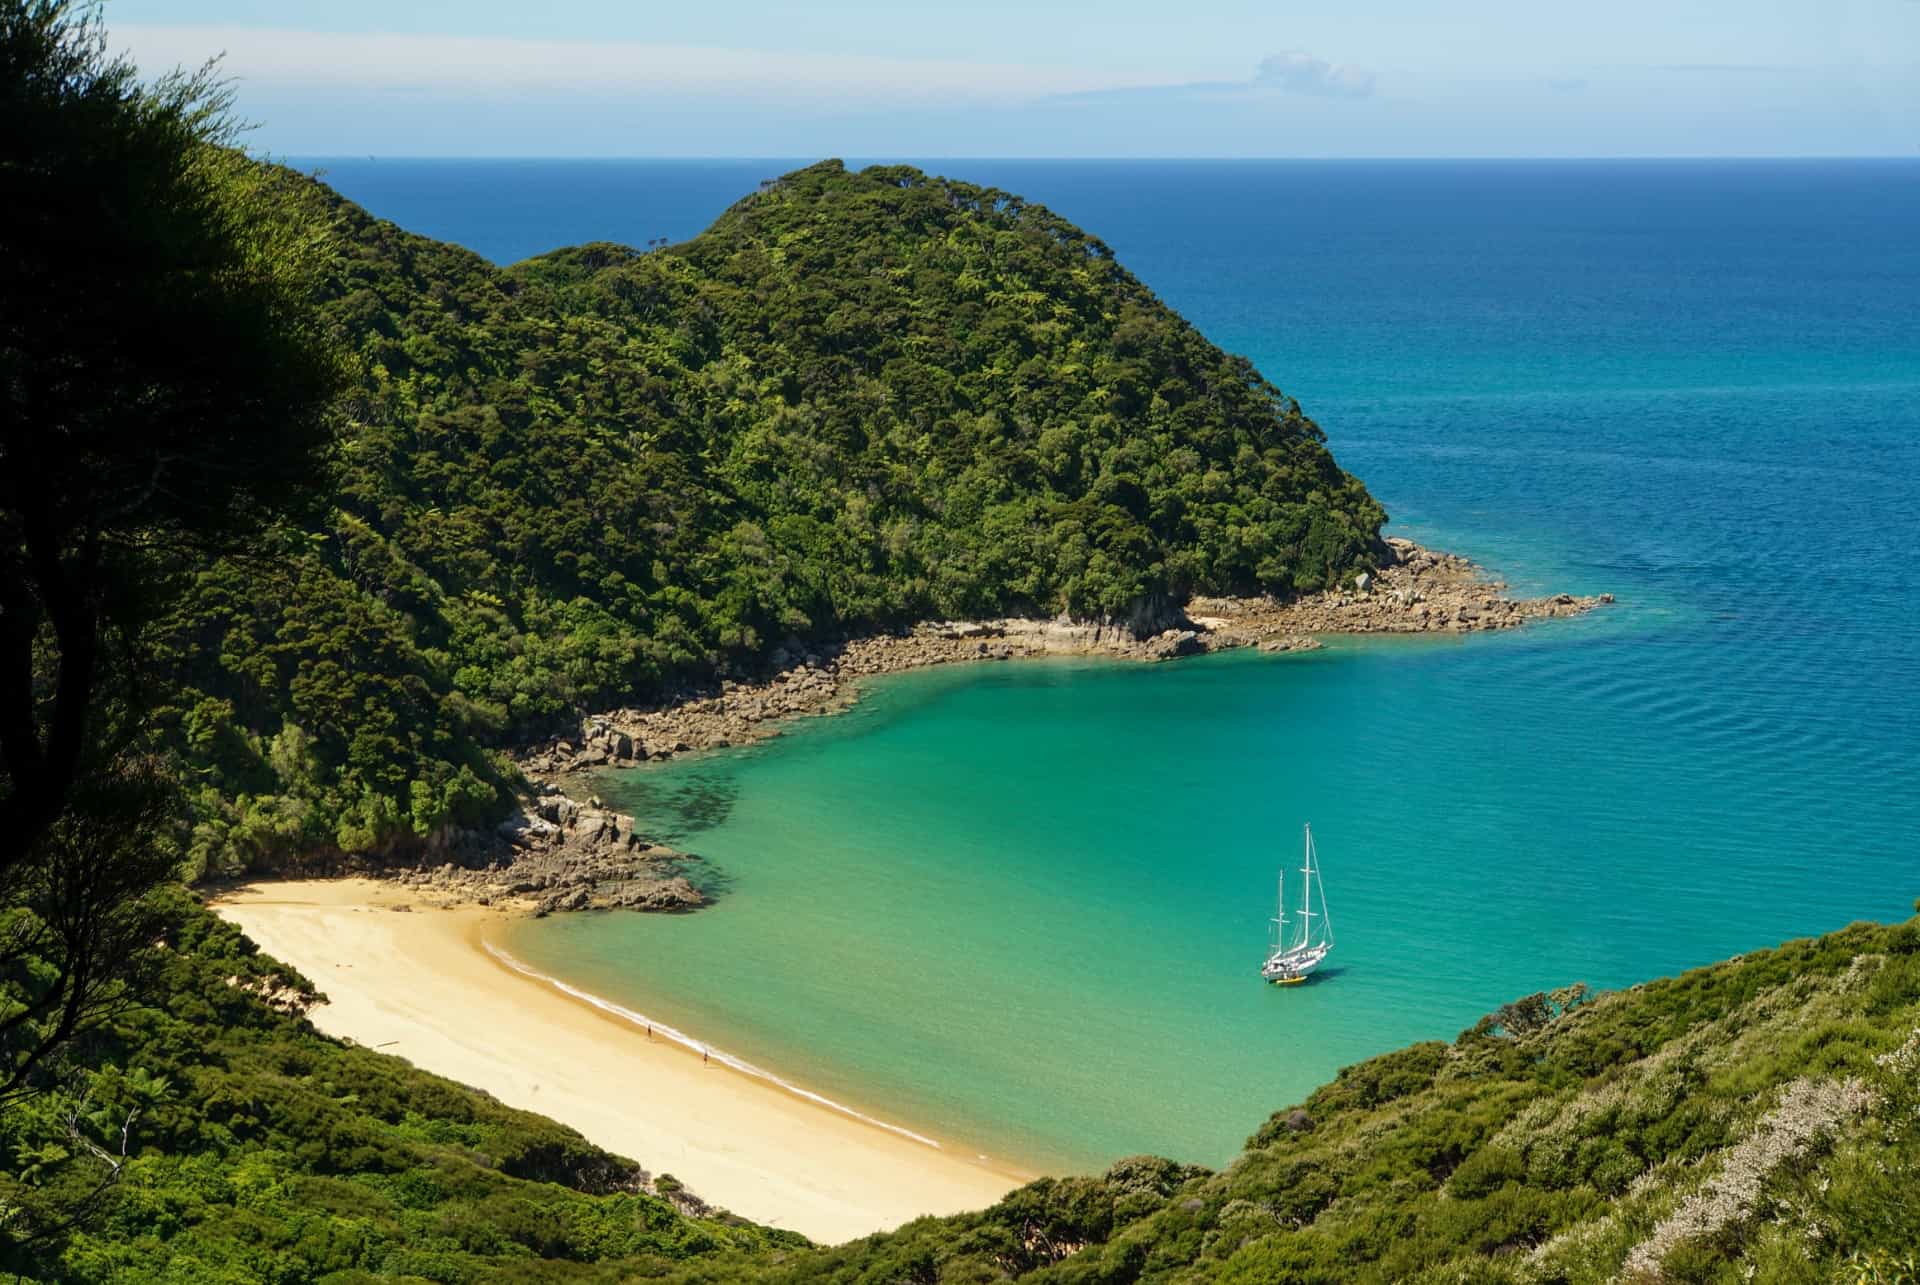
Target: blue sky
(1032,78)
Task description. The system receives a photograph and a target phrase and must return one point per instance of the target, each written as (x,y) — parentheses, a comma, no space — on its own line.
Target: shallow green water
(1021,907)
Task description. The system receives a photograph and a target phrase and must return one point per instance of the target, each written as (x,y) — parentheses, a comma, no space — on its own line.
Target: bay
(1020,907)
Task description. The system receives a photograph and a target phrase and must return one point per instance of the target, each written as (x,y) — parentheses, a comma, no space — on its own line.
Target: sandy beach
(423,986)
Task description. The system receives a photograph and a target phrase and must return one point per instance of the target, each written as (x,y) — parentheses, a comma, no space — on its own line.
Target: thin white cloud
(284,59)
(1298,72)
(1292,71)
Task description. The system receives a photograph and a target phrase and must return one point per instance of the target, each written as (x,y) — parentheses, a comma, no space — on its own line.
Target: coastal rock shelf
(564,850)
(1418,590)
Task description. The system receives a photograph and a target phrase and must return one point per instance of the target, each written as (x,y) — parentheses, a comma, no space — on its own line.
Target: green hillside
(858,400)
(1756,1120)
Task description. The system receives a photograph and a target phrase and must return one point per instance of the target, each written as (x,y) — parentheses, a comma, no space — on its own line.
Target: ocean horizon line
(851,158)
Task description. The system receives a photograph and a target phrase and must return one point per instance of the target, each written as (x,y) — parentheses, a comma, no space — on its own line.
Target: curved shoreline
(693,1045)
(429,987)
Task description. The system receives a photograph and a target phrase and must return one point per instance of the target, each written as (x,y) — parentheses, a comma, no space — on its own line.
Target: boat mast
(1306,894)
(1280,914)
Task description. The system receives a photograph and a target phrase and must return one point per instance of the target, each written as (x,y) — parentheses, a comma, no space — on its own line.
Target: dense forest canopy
(856,401)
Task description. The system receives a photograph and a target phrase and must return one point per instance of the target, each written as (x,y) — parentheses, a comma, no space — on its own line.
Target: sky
(1168,78)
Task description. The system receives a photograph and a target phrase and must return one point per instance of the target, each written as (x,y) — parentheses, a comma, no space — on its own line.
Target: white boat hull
(1291,966)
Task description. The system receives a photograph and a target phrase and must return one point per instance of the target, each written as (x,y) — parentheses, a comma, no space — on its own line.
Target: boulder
(524,831)
(1175,642)
(1294,643)
(571,899)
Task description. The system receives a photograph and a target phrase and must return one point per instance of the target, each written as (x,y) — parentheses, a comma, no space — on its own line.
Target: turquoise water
(1020,907)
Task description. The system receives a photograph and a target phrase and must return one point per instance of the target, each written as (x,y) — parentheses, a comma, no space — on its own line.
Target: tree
(165,391)
(163,384)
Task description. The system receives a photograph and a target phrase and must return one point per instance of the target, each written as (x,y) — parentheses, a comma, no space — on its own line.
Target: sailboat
(1290,962)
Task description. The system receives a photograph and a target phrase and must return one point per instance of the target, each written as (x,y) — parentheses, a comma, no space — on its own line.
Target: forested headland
(856,401)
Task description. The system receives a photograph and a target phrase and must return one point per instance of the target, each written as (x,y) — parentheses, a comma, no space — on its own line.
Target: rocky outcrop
(556,853)
(820,678)
(598,743)
(1174,643)
(293,998)
(1293,642)
(1416,590)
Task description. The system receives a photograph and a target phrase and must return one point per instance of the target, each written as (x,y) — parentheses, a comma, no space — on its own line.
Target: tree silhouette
(164,393)
(162,387)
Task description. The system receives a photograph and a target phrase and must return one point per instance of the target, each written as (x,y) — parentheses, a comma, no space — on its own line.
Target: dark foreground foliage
(166,390)
(218,1138)
(167,394)
(1759,1119)
(857,401)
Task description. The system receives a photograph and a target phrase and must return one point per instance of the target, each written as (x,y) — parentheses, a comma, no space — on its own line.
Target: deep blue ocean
(1020,906)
